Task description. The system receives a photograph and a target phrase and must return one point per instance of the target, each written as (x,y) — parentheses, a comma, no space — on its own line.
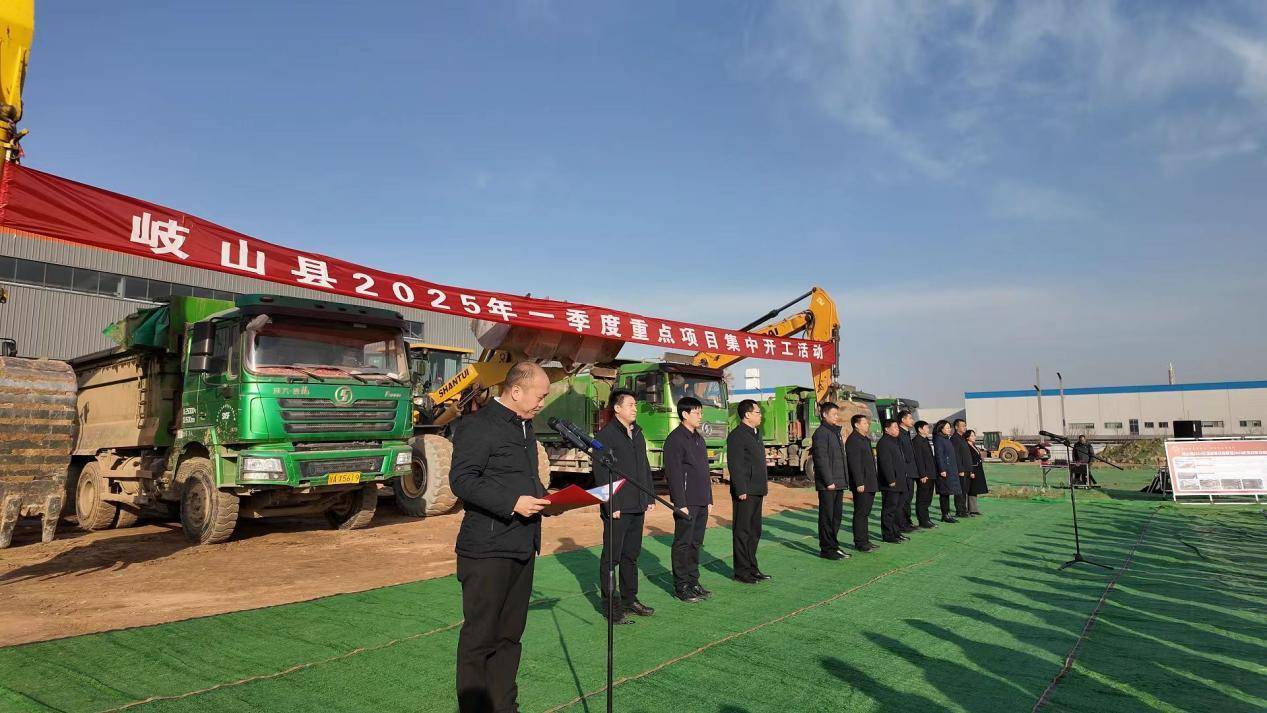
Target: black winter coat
(631,462)
(828,451)
(745,462)
(891,462)
(494,463)
(862,469)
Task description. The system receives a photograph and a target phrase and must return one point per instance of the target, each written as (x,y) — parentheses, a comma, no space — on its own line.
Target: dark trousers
(745,535)
(904,505)
(961,501)
(627,544)
(862,503)
(890,519)
(495,594)
(688,536)
(831,506)
(923,498)
(945,505)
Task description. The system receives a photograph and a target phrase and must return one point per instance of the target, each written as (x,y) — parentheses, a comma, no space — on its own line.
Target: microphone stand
(608,459)
(1073,504)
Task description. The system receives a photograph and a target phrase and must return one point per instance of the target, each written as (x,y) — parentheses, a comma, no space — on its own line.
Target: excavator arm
(819,322)
(17,28)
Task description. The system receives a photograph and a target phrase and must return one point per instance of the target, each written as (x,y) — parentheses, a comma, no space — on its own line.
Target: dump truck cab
(789,416)
(261,407)
(658,386)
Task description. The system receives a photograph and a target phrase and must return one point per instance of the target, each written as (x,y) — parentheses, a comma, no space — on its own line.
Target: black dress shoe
(831,555)
(909,528)
(903,538)
(867,548)
(746,580)
(762,577)
(927,526)
(686,595)
(621,618)
(892,540)
(639,609)
(842,553)
(949,519)
(702,593)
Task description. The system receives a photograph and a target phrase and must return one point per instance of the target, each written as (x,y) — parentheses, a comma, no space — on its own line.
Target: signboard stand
(1222,471)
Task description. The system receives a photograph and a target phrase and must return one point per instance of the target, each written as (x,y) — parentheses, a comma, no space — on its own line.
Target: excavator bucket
(546,346)
(37,410)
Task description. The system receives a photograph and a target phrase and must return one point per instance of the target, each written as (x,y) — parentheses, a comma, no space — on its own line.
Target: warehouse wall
(1018,415)
(61,323)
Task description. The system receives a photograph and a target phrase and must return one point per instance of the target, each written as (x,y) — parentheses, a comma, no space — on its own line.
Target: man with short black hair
(862,478)
(892,471)
(690,490)
(745,462)
(907,422)
(831,480)
(623,438)
(495,473)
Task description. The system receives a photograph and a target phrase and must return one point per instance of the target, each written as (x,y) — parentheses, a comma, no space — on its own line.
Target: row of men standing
(907,466)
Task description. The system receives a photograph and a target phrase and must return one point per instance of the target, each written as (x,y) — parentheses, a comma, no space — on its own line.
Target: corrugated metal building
(61,296)
(1225,408)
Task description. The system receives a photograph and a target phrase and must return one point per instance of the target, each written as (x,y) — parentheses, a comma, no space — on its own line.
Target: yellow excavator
(17,29)
(39,421)
(819,322)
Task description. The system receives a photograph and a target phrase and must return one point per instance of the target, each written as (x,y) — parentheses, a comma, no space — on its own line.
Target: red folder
(573,497)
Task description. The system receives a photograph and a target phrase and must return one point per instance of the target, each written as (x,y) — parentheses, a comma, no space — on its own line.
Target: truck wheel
(93,512)
(355,509)
(543,466)
(808,469)
(1009,455)
(207,515)
(425,490)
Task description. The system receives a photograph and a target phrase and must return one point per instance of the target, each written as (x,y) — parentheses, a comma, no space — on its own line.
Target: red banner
(44,204)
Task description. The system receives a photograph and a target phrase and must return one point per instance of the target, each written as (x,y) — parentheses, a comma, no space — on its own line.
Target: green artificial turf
(973,616)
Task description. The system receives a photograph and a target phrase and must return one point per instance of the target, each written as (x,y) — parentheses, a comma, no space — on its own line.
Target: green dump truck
(582,399)
(265,406)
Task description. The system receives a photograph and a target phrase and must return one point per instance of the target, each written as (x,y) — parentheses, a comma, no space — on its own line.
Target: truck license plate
(353,476)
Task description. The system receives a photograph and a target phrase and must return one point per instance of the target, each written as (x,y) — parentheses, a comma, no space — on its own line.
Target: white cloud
(940,84)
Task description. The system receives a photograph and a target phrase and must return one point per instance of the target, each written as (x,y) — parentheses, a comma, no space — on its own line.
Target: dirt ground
(87,582)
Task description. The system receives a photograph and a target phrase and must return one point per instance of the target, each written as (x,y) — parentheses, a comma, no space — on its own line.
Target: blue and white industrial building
(1225,408)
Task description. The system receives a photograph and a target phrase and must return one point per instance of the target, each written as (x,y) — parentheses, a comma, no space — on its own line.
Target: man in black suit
(907,422)
(925,472)
(862,478)
(690,489)
(831,479)
(745,461)
(495,473)
(963,456)
(623,438)
(892,470)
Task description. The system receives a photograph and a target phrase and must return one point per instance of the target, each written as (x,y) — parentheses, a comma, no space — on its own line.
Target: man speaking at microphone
(622,438)
(495,473)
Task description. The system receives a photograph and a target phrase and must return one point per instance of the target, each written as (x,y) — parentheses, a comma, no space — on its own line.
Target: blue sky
(982,186)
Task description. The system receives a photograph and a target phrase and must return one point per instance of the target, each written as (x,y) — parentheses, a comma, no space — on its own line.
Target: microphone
(574,435)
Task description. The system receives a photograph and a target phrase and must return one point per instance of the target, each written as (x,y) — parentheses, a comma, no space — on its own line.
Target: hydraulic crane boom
(17,27)
(819,322)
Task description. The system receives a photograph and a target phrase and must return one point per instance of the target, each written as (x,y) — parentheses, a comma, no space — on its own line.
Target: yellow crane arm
(17,29)
(819,322)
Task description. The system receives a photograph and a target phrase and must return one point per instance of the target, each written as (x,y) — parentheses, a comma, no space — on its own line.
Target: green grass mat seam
(1095,612)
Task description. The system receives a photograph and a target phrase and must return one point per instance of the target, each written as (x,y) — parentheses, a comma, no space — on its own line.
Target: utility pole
(1038,394)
